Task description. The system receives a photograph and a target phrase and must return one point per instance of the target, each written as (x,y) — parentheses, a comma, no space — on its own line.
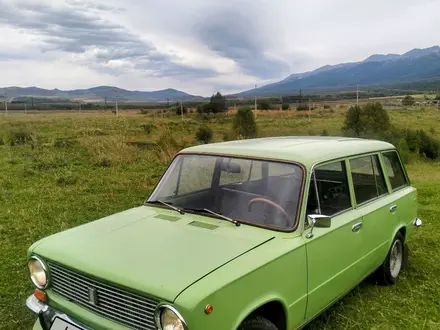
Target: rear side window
(394,170)
(368,179)
(331,187)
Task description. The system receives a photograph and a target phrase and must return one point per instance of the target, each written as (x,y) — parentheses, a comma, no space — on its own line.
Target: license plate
(60,324)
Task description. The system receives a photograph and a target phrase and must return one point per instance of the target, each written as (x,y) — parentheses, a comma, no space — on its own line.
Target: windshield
(264,193)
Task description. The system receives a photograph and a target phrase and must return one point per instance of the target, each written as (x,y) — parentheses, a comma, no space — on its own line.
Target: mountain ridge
(377,69)
(100,93)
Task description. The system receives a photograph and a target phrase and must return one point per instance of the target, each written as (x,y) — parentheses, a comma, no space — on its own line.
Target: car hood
(150,249)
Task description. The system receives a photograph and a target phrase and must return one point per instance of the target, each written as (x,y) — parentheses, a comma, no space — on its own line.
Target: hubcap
(396,257)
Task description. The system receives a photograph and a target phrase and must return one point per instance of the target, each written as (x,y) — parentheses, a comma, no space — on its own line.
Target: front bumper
(46,314)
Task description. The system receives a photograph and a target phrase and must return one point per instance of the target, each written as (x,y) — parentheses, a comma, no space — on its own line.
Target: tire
(257,323)
(389,271)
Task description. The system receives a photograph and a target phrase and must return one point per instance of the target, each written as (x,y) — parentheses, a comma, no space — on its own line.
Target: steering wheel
(271,203)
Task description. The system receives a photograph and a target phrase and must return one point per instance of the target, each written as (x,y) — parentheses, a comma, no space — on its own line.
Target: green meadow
(60,170)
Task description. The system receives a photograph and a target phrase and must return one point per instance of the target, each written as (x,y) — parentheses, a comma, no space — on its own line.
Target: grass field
(74,168)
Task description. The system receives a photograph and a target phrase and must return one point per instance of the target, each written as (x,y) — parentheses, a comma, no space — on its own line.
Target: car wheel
(390,269)
(257,323)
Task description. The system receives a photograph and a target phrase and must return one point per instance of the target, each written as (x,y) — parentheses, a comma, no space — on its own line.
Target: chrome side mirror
(318,220)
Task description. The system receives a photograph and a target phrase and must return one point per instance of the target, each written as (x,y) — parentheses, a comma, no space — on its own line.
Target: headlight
(168,318)
(38,272)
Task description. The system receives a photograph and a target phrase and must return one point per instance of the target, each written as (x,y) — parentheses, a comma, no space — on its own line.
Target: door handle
(393,208)
(356,227)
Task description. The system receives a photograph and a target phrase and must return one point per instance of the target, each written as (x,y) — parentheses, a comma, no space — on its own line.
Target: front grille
(129,309)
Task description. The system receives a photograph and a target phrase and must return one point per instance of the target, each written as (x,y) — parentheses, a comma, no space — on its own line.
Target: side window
(332,186)
(368,179)
(394,170)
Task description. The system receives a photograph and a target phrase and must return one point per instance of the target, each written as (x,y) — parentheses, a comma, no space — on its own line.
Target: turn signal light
(209,309)
(40,295)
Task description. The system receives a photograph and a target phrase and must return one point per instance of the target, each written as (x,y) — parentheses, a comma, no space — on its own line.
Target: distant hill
(376,70)
(100,93)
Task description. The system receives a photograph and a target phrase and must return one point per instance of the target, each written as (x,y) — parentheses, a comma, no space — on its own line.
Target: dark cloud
(235,35)
(76,29)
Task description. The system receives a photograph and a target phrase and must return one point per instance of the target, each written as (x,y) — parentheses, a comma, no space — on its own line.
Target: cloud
(64,29)
(199,45)
(235,35)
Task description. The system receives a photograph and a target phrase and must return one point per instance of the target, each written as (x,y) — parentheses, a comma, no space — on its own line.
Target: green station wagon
(260,234)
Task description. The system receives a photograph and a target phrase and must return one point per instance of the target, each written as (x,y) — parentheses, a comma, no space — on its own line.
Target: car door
(332,253)
(375,203)
(404,197)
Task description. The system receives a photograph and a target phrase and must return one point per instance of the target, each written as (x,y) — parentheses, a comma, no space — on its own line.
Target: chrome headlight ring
(35,260)
(165,307)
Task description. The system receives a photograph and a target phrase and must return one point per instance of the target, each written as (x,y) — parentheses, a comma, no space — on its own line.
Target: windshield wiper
(217,215)
(167,205)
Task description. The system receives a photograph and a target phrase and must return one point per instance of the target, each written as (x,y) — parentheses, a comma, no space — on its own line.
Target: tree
(218,103)
(244,124)
(437,97)
(370,118)
(354,121)
(285,106)
(408,101)
(376,118)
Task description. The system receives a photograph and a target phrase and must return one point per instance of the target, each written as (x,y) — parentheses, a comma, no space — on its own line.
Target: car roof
(307,150)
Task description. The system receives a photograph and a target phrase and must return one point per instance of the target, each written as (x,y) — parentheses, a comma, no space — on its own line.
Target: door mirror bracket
(318,220)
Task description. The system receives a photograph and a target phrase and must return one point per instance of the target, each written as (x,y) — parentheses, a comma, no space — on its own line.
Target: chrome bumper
(47,314)
(417,222)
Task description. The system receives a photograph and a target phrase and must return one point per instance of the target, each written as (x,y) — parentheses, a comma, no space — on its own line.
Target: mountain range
(99,94)
(383,70)
(376,70)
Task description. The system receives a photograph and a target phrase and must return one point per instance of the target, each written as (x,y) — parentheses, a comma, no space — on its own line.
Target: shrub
(326,106)
(148,127)
(2,142)
(167,147)
(61,143)
(324,133)
(263,105)
(403,149)
(204,108)
(204,134)
(408,100)
(67,180)
(285,106)
(413,140)
(302,107)
(178,108)
(244,124)
(429,147)
(22,137)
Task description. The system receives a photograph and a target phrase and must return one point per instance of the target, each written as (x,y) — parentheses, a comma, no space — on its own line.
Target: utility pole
(310,110)
(255,100)
(181,109)
(25,108)
(6,104)
(357,95)
(117,109)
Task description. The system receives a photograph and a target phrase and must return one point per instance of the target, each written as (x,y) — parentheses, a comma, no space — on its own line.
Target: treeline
(372,121)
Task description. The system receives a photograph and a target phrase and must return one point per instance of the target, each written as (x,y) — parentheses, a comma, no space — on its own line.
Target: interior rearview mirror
(231,167)
(319,221)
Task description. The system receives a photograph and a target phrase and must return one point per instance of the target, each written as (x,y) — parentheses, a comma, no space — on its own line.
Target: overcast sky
(199,46)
